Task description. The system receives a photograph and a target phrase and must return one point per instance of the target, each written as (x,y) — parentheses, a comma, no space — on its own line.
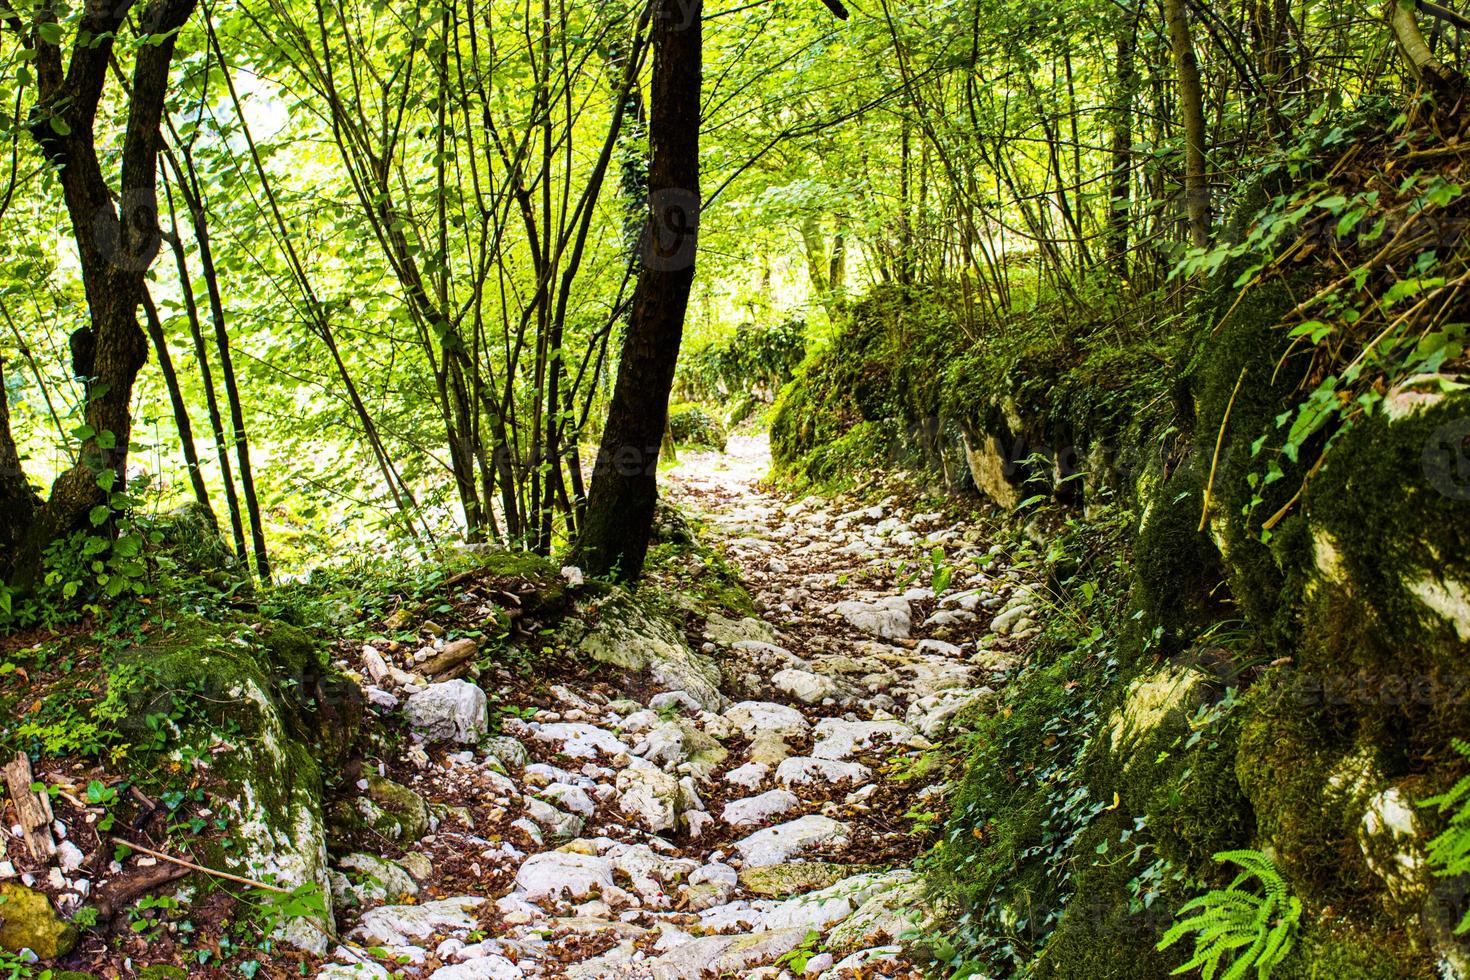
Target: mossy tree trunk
(115,247)
(620,502)
(1192,108)
(1120,180)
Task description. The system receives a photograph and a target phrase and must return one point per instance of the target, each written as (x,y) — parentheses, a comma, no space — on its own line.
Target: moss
(550,594)
(1307,783)
(1195,805)
(163,971)
(192,538)
(27,921)
(225,692)
(691,425)
(1180,574)
(1101,935)
(1333,949)
(1393,502)
(1237,375)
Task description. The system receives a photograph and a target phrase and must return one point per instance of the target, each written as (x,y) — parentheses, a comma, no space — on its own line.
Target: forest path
(764,830)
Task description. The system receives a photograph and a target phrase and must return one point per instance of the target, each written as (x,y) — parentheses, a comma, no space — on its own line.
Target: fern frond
(1239,929)
(1449,852)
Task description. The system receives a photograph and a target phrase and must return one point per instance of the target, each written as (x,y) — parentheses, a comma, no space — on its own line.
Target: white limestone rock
(754,810)
(555,874)
(400,925)
(802,771)
(449,711)
(650,796)
(805,686)
(776,845)
(753,717)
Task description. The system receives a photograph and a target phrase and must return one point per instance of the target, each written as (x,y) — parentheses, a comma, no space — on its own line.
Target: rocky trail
(753,812)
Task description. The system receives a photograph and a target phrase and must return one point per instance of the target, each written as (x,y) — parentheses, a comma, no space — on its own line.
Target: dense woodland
(408,345)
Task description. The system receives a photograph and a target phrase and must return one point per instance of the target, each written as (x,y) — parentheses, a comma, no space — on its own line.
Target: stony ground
(758,825)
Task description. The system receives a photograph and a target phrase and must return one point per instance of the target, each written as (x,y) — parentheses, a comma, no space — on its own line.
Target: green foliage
(1449,852)
(798,958)
(754,360)
(1025,821)
(691,425)
(1377,305)
(1244,929)
(13,966)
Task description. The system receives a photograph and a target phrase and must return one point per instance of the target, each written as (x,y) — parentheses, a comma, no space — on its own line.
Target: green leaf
(99,515)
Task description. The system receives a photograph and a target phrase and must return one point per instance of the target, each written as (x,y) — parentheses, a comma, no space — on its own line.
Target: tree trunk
(837,268)
(206,381)
(1192,107)
(181,410)
(1120,182)
(115,248)
(815,246)
(18,502)
(614,536)
(1444,82)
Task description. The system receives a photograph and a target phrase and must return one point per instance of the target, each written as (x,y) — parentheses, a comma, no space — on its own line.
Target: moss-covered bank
(1291,689)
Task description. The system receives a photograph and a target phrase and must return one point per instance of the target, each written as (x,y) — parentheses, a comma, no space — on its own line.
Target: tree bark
(1444,82)
(1192,107)
(181,409)
(1120,182)
(115,248)
(815,246)
(206,378)
(624,491)
(18,502)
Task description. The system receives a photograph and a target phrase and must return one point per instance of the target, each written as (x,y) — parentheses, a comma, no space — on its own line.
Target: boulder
(802,771)
(837,739)
(492,967)
(624,632)
(649,796)
(449,711)
(804,686)
(754,810)
(766,717)
(364,879)
(889,618)
(776,845)
(893,906)
(580,740)
(27,921)
(679,745)
(797,877)
(386,808)
(565,873)
(401,925)
(725,955)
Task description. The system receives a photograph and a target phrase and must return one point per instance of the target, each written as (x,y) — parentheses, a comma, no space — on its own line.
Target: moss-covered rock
(798,877)
(625,631)
(27,921)
(238,694)
(691,425)
(163,971)
(386,808)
